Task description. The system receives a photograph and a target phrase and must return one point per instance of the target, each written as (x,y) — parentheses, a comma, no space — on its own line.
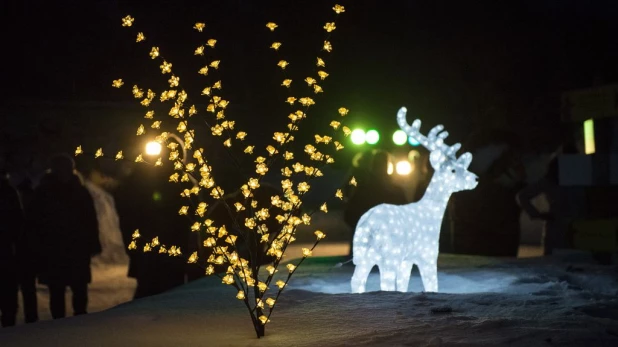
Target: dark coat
(64,224)
(11,222)
(146,201)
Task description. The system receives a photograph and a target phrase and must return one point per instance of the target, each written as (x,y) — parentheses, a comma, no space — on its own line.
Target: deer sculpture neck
(395,238)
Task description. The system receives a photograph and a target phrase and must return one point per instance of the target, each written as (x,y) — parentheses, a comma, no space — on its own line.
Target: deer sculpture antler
(434,139)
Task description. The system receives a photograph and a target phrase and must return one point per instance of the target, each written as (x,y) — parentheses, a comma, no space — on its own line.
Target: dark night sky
(469,63)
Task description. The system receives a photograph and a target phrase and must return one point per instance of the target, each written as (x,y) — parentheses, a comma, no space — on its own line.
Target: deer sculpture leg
(403,275)
(429,276)
(388,275)
(359,279)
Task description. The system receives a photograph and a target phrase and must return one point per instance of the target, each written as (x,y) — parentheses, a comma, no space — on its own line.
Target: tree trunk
(257,324)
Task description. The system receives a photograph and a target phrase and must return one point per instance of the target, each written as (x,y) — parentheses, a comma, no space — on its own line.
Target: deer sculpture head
(397,237)
(450,172)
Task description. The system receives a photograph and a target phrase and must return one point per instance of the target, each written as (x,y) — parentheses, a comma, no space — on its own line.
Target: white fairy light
(396,237)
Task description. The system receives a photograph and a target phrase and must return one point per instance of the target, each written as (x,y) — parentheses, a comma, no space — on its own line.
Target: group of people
(48,234)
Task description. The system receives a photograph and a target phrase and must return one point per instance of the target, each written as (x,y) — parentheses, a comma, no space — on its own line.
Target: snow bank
(486,302)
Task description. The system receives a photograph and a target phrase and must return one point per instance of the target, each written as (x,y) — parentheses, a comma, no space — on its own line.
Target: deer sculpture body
(397,237)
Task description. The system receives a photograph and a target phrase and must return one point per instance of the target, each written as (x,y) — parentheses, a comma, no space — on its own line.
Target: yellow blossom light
(338,9)
(327,46)
(306,101)
(271,269)
(98,153)
(228,279)
(199,26)
(192,258)
(320,62)
(154,52)
(339,194)
(271,26)
(240,295)
(166,67)
(140,37)
(324,208)
(263,319)
(286,83)
(282,64)
(119,155)
(353,181)
(117,83)
(275,45)
(127,21)
(250,223)
(239,207)
(78,151)
(306,252)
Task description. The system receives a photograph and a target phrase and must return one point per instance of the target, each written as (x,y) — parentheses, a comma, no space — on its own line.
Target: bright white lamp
(403,168)
(153,148)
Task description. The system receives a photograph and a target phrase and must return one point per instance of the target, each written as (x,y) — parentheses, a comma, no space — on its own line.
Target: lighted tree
(255,281)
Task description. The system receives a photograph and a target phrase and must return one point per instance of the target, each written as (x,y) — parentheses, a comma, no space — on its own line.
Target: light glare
(372,137)
(358,136)
(403,168)
(153,148)
(399,137)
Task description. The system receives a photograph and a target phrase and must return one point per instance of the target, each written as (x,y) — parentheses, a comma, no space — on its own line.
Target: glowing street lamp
(372,137)
(358,136)
(403,168)
(399,137)
(153,148)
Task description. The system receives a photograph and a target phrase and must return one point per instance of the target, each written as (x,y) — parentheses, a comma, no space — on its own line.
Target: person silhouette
(64,223)
(144,203)
(25,258)
(11,223)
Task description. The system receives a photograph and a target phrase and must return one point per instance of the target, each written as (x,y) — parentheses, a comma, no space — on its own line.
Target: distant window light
(589,144)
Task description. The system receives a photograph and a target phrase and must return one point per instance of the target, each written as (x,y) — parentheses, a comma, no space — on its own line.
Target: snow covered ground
(560,301)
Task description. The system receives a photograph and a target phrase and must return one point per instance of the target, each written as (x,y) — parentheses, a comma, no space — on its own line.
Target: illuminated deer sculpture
(395,237)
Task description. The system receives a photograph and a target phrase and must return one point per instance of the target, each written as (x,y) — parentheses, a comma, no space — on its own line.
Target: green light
(372,137)
(589,136)
(358,136)
(156,196)
(412,141)
(400,137)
